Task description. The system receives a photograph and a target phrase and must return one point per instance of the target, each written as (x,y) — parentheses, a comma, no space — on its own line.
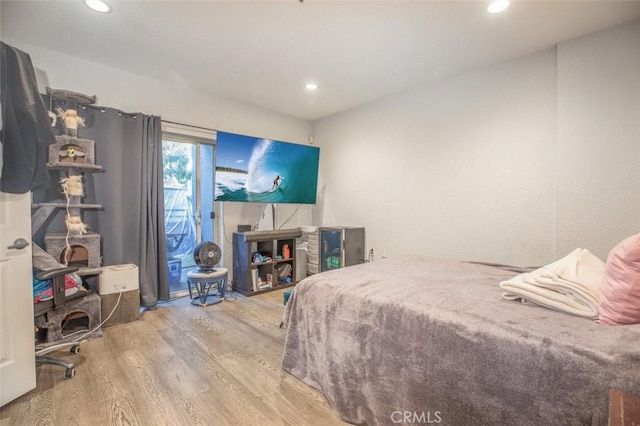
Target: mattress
(416,338)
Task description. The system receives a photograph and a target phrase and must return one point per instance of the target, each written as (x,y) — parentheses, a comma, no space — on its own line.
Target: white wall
(483,166)
(135,93)
(599,134)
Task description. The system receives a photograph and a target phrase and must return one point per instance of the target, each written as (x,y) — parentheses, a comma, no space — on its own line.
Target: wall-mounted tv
(262,170)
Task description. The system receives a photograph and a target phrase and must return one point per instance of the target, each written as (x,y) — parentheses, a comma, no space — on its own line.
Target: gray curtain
(131,223)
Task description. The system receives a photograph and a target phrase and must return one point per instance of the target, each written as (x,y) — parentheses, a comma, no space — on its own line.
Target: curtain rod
(189,125)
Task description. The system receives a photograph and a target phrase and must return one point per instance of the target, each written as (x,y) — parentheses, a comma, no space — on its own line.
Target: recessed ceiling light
(311,86)
(98,5)
(498,6)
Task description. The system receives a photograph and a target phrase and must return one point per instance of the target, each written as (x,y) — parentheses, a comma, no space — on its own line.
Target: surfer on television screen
(276,182)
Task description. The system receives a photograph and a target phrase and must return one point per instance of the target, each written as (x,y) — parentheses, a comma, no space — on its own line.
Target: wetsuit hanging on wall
(26,130)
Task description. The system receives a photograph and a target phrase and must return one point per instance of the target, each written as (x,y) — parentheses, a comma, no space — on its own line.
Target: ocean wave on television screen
(261,173)
(231,186)
(296,164)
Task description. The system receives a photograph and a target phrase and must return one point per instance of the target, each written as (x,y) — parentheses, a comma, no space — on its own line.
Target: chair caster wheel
(69,373)
(74,349)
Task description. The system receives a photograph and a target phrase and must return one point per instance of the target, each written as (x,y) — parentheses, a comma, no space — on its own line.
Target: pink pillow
(620,291)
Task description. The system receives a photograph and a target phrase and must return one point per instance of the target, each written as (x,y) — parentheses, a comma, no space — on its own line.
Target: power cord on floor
(229,298)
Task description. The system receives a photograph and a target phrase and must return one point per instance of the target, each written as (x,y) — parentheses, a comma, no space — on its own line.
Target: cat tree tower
(73,157)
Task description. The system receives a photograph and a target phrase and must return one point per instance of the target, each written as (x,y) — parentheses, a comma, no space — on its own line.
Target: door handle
(18,244)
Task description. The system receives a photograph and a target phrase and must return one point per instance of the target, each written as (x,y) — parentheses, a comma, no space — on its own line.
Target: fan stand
(207,287)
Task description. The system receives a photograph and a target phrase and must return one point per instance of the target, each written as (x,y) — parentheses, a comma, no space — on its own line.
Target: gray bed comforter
(422,340)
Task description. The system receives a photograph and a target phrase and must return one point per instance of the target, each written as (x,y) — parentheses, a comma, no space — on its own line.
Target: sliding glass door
(188,199)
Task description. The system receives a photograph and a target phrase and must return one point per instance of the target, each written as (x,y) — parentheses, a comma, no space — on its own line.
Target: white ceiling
(263,52)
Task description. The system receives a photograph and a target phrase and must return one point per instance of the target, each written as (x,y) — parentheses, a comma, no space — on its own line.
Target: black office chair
(41,309)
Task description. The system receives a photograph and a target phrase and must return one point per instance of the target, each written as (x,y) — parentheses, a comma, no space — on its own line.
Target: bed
(416,339)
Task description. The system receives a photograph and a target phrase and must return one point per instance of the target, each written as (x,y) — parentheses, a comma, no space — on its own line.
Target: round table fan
(207,255)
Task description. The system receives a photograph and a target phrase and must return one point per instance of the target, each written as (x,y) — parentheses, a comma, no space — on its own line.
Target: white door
(17,347)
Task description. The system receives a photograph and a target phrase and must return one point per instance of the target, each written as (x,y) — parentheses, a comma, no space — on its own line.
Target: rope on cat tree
(72,187)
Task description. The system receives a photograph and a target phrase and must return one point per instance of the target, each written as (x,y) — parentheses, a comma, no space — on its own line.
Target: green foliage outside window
(176,162)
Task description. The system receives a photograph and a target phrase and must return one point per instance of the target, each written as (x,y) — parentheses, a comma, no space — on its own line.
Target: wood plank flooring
(179,365)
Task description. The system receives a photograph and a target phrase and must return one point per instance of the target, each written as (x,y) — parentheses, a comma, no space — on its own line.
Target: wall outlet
(383,253)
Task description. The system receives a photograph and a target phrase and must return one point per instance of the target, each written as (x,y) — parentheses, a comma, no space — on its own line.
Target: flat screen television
(250,169)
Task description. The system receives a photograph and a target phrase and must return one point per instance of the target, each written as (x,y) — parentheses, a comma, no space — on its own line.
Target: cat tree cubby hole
(84,249)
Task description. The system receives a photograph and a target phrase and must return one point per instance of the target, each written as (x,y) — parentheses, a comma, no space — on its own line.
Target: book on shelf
(255,280)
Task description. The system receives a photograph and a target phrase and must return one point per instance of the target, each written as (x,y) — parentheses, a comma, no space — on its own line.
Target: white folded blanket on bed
(571,284)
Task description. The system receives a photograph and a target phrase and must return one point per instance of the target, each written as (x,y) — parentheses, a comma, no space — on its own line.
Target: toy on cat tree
(69,116)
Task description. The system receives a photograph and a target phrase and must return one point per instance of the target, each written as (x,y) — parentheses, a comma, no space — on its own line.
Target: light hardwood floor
(179,365)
